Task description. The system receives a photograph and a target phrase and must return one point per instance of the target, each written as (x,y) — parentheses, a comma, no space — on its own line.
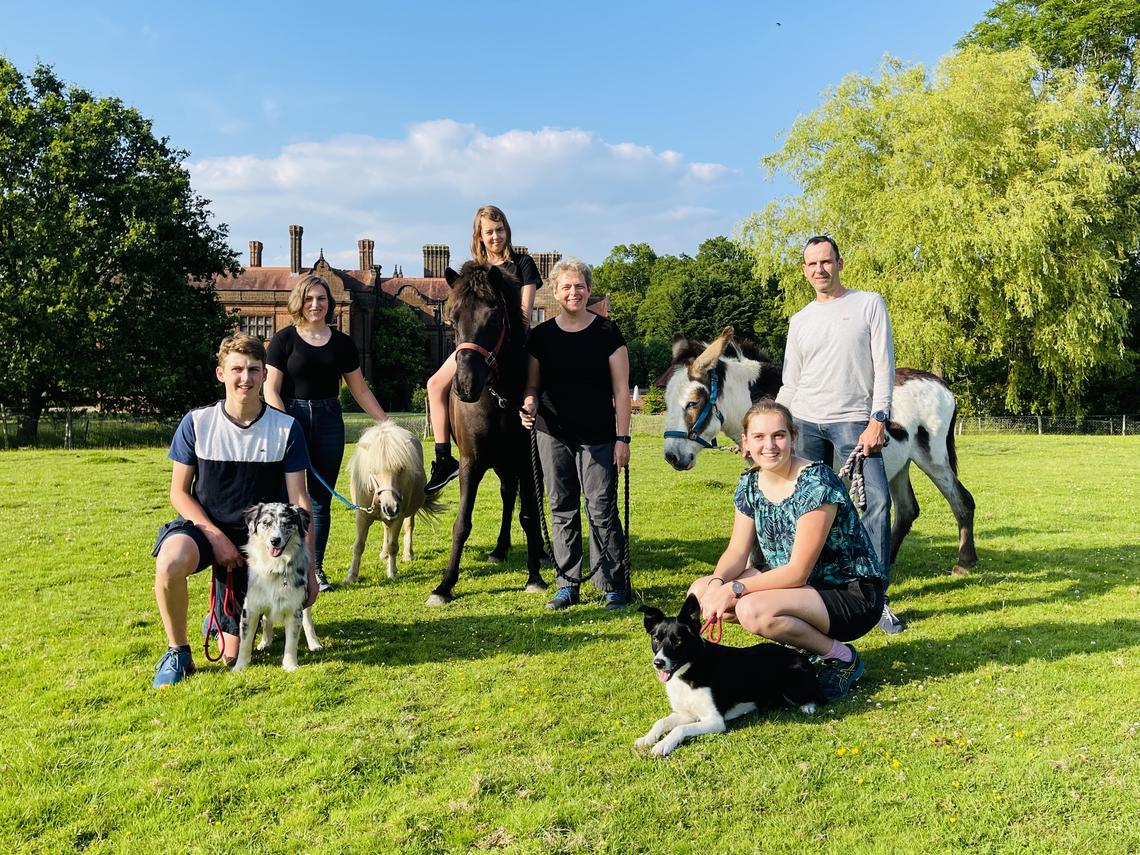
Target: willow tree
(980,202)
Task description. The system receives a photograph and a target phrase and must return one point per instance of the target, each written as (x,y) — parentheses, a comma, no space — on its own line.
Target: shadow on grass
(1046,641)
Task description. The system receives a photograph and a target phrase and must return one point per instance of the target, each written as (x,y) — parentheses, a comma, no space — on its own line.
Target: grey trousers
(572,473)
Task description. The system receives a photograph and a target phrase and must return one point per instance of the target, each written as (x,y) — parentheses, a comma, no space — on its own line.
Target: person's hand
(621,454)
(226,555)
(527,411)
(717,602)
(871,439)
(311,589)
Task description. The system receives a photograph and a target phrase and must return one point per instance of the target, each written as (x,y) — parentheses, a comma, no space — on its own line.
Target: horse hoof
(959,570)
(535,587)
(437,600)
(496,557)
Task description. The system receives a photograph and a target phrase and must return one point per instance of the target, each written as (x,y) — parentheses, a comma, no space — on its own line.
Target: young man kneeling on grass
(226,457)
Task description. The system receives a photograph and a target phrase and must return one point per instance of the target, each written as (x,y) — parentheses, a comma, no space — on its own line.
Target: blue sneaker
(837,677)
(565,598)
(616,600)
(175,664)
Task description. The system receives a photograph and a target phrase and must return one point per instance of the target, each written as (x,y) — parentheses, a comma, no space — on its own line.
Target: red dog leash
(714,626)
(229,606)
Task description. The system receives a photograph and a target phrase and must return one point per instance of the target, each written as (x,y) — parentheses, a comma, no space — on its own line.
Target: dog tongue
(663,676)
(275,551)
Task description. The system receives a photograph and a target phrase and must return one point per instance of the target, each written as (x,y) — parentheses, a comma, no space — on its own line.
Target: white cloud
(564,189)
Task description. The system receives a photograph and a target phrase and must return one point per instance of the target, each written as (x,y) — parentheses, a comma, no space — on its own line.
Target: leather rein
(491,357)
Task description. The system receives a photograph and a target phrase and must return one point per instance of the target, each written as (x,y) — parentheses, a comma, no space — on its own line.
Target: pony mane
(475,285)
(383,449)
(689,349)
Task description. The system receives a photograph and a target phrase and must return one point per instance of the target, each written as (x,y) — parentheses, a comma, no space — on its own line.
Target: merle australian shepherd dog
(709,684)
(278,558)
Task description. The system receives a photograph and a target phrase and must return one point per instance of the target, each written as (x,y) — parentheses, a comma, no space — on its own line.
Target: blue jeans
(834,441)
(323,426)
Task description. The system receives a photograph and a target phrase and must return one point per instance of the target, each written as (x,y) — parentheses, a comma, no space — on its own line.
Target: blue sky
(590,124)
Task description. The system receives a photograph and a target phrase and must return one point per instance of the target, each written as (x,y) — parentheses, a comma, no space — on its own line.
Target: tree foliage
(100,236)
(981,202)
(1099,39)
(398,343)
(653,297)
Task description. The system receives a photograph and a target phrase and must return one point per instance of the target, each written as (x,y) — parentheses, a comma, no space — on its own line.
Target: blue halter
(709,410)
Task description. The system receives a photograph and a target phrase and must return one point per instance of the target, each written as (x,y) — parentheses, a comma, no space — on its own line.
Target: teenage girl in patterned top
(823,584)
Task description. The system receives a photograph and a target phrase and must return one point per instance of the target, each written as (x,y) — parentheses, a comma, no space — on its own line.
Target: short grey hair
(570,264)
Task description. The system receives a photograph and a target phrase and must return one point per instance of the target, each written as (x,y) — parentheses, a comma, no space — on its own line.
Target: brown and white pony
(387,471)
(711,387)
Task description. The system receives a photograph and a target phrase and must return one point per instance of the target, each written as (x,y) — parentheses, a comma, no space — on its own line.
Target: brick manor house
(259,295)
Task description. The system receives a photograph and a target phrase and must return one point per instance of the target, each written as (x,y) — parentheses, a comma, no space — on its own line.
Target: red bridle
(491,357)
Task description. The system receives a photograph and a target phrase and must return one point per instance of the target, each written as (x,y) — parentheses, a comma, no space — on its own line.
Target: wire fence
(85,429)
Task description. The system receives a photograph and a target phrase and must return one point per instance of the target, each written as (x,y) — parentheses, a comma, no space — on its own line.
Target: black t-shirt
(577,400)
(523,268)
(311,373)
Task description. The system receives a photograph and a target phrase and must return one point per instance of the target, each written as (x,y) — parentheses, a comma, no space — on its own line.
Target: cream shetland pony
(387,471)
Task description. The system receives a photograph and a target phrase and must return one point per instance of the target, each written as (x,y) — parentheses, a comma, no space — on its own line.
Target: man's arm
(792,365)
(883,365)
(181,481)
(299,496)
(619,380)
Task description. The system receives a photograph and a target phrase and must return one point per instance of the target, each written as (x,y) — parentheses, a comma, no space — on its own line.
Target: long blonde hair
(296,303)
(478,250)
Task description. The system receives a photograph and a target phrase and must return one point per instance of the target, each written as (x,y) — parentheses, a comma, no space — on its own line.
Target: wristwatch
(624,439)
(737,588)
(879,415)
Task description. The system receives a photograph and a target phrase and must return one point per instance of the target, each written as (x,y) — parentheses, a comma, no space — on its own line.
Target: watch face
(879,416)
(738,588)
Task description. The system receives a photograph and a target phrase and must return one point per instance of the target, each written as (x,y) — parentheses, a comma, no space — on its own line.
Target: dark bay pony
(490,372)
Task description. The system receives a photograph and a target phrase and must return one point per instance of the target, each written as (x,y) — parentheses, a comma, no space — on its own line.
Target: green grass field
(1005,719)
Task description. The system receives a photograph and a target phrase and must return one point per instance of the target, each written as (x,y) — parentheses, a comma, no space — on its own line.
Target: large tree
(980,201)
(398,345)
(1100,40)
(100,237)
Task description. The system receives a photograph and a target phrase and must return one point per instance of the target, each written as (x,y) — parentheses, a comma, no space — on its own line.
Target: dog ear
(653,616)
(690,613)
(250,516)
(451,276)
(305,517)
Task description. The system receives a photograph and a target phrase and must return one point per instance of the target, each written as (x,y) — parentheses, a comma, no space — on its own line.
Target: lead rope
(536,470)
(853,469)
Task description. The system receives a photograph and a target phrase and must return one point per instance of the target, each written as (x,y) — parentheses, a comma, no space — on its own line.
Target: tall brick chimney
(365,246)
(546,262)
(255,247)
(436,258)
(295,233)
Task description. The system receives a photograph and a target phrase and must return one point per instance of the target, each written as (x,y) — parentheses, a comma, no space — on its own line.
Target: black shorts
(227,608)
(854,608)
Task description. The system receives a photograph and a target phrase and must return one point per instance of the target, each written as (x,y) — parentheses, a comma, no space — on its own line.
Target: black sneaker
(443,472)
(836,677)
(323,583)
(889,622)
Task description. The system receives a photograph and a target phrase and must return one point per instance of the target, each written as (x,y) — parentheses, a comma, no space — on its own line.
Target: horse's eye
(692,405)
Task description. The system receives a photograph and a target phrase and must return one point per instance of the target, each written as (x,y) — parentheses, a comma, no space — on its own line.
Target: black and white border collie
(709,684)
(278,559)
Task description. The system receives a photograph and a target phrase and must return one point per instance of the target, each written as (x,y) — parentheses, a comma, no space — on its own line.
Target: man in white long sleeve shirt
(839,371)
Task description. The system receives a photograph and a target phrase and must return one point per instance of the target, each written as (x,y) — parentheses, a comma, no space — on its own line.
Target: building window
(537,316)
(258,325)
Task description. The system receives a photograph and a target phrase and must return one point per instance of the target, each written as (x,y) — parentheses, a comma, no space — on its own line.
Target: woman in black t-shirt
(490,244)
(578,398)
(306,364)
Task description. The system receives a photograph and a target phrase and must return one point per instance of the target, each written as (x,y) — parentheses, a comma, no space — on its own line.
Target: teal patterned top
(847,553)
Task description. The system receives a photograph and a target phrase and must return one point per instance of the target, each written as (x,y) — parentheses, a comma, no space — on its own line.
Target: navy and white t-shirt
(238,466)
